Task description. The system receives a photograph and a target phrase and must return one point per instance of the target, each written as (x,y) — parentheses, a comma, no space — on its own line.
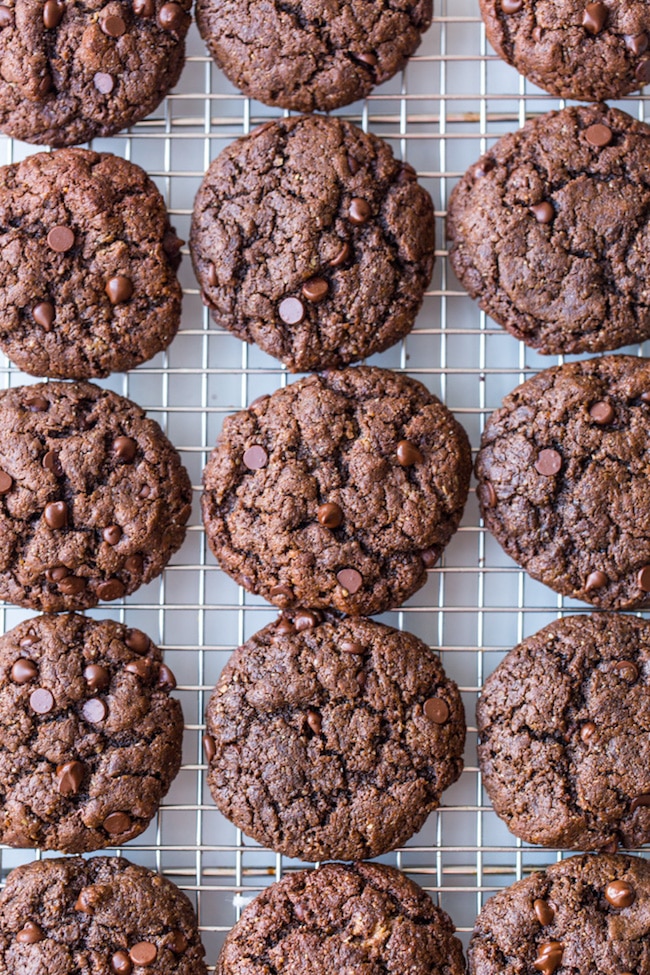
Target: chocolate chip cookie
(89,738)
(338,491)
(103,915)
(70,72)
(572,48)
(562,475)
(93,497)
(587,914)
(308,57)
(316,724)
(87,265)
(550,231)
(564,724)
(357,917)
(310,239)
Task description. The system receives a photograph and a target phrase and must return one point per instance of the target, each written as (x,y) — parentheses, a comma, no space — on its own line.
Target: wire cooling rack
(454,99)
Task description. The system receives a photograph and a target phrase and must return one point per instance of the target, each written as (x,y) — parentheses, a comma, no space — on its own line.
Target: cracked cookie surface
(96,917)
(332,739)
(361,917)
(70,72)
(338,491)
(550,230)
(562,473)
(307,56)
(90,740)
(311,239)
(564,726)
(572,48)
(87,265)
(588,914)
(93,496)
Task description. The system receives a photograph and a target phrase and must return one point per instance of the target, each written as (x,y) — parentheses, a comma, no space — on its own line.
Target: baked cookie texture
(70,72)
(564,726)
(562,479)
(332,739)
(90,739)
(309,238)
(103,915)
(307,56)
(361,917)
(573,49)
(93,496)
(337,492)
(88,264)
(588,914)
(550,231)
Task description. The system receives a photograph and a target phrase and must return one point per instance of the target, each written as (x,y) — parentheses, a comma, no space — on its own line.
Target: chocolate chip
(549,957)
(429,557)
(171,16)
(121,963)
(166,679)
(436,710)
(351,646)
(284,627)
(367,58)
(177,942)
(543,911)
(408,454)
(104,83)
(6,482)
(490,494)
(23,671)
(144,8)
(134,564)
(60,239)
(291,311)
(482,168)
(137,641)
(144,491)
(94,710)
(113,25)
(30,934)
(117,822)
(57,574)
(543,212)
(29,640)
(353,165)
(642,800)
(52,14)
(52,464)
(642,71)
(119,289)
(281,590)
(43,314)
(112,534)
(594,17)
(72,585)
(627,670)
(37,404)
(209,748)
(511,6)
(342,256)
(359,212)
(595,580)
(643,578)
(213,280)
(144,953)
(41,701)
(44,85)
(110,589)
(6,16)
(315,289)
(350,580)
(598,135)
(637,43)
(602,412)
(305,619)
(587,731)
(548,462)
(315,722)
(141,668)
(56,514)
(86,901)
(70,775)
(329,515)
(97,677)
(620,894)
(125,449)
(255,458)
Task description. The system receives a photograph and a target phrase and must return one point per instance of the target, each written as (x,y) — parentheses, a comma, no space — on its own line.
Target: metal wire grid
(454,98)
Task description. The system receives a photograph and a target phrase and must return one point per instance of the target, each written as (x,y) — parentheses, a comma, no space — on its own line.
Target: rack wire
(452,101)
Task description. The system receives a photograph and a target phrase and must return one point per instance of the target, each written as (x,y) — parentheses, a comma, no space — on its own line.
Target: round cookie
(572,48)
(550,231)
(93,496)
(564,725)
(87,265)
(356,917)
(562,474)
(586,915)
(103,916)
(338,491)
(90,739)
(71,72)
(307,58)
(332,739)
(310,239)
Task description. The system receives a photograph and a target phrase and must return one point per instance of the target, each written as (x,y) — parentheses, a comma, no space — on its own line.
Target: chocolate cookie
(95,917)
(584,915)
(93,497)
(332,739)
(357,917)
(70,72)
(307,57)
(89,738)
(87,265)
(338,491)
(564,724)
(550,231)
(310,239)
(562,473)
(574,49)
